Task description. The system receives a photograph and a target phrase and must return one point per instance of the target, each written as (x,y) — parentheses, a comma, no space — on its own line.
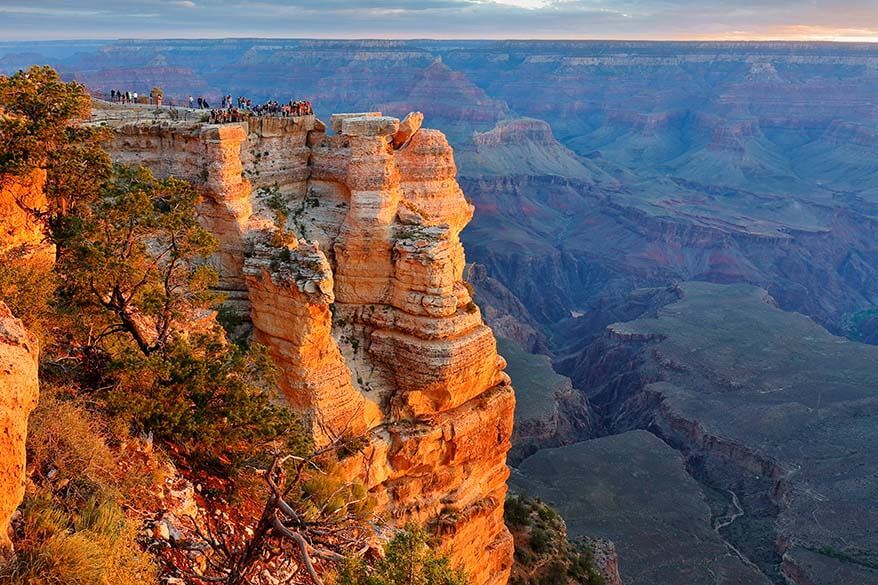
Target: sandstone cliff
(19,389)
(20,234)
(365,310)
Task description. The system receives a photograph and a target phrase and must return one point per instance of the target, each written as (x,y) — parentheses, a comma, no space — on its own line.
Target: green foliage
(36,110)
(135,260)
(73,529)
(539,541)
(27,286)
(543,555)
(408,560)
(516,512)
(277,203)
(581,565)
(232,321)
(40,127)
(211,399)
(77,171)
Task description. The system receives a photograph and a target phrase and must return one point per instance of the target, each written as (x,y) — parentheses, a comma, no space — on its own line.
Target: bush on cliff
(408,560)
(41,128)
(37,110)
(209,399)
(543,554)
(93,544)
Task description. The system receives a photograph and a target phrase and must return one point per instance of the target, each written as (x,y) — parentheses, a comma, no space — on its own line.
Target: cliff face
(366,312)
(19,233)
(19,389)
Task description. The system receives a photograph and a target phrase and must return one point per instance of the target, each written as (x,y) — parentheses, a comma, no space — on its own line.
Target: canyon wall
(19,389)
(21,235)
(362,303)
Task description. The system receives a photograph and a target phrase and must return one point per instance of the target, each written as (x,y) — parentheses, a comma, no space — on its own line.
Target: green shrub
(211,399)
(92,545)
(408,560)
(543,554)
(516,512)
(27,286)
(539,541)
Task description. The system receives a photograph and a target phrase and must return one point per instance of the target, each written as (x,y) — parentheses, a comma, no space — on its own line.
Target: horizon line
(458,39)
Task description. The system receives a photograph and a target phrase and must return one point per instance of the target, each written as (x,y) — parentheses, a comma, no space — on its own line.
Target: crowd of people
(238,110)
(123,97)
(232,110)
(242,108)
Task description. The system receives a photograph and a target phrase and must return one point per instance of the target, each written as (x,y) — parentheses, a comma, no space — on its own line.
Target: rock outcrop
(19,389)
(19,232)
(366,312)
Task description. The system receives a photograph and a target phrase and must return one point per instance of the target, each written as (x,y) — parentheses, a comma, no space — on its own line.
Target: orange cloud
(794,32)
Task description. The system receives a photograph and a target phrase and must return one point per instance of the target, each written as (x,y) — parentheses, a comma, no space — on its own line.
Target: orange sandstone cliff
(20,234)
(19,390)
(365,311)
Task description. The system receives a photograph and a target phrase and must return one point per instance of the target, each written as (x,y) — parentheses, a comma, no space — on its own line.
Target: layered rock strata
(19,389)
(364,309)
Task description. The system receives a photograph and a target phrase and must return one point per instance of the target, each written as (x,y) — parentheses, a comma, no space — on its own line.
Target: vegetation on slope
(543,554)
(132,354)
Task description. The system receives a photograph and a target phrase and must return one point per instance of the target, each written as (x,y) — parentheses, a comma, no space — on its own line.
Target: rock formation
(19,232)
(365,310)
(19,389)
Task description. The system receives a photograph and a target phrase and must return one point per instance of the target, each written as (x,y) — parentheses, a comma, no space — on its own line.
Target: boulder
(336,120)
(407,128)
(370,126)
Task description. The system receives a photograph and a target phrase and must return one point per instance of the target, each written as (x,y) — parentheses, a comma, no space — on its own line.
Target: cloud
(637,19)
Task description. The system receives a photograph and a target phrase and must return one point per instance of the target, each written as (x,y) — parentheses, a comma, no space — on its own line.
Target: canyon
(610,181)
(363,306)
(771,414)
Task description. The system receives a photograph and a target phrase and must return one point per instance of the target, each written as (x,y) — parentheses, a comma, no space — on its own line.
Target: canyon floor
(755,463)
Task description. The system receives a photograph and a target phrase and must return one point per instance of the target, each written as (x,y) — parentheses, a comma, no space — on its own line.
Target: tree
(77,172)
(310,512)
(408,560)
(135,273)
(37,108)
(136,259)
(41,127)
(157,95)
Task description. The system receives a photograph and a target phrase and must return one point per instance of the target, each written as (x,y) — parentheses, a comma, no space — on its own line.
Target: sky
(841,20)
